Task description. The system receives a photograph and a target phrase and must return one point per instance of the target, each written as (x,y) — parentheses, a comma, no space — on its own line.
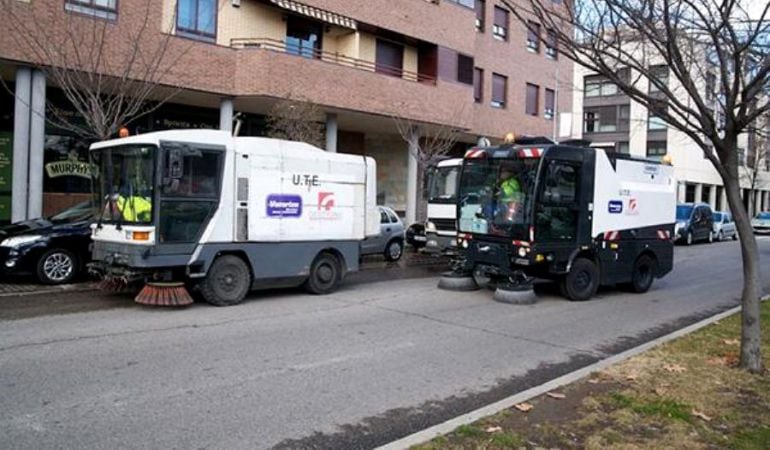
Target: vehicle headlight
(522,252)
(17,241)
(430,227)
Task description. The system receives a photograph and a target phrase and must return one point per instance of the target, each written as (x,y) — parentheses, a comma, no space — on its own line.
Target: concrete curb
(79,287)
(451,424)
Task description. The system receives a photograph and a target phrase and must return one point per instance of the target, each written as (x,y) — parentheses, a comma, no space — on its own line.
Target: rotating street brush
(114,285)
(156,293)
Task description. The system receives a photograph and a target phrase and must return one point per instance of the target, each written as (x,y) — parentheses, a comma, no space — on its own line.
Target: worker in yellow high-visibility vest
(135,208)
(510,194)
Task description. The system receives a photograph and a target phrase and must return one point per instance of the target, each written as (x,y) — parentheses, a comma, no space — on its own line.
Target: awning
(316,13)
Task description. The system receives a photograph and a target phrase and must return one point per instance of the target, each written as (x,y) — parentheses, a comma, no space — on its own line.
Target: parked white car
(390,241)
(724,226)
(761,223)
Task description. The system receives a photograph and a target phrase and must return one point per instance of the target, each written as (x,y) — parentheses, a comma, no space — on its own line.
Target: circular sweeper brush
(157,293)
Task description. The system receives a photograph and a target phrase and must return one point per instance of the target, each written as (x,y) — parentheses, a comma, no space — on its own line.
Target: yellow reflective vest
(135,208)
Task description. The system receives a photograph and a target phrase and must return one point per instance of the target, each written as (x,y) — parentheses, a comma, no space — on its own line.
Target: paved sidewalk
(29,287)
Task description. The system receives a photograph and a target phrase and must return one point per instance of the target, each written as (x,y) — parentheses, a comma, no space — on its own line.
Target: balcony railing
(330,57)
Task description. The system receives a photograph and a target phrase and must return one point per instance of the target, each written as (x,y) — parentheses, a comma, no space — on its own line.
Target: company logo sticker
(284,205)
(633,207)
(325,201)
(615,207)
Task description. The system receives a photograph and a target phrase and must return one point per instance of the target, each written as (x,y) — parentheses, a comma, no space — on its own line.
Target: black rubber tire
(720,236)
(735,237)
(643,274)
(390,250)
(582,281)
(688,239)
(325,275)
(227,281)
(57,257)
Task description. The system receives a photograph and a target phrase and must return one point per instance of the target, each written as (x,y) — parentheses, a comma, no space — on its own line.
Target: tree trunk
(751,356)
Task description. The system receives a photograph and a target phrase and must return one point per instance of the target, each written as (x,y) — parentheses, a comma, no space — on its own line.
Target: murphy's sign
(71,167)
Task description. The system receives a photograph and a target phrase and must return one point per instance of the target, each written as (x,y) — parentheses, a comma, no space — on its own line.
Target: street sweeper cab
(202,210)
(441,225)
(577,215)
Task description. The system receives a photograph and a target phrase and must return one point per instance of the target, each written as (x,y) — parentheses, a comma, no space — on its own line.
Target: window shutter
(498,88)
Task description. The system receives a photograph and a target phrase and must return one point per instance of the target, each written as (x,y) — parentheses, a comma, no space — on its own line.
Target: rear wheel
(325,274)
(394,250)
(57,266)
(227,281)
(582,281)
(643,273)
(720,236)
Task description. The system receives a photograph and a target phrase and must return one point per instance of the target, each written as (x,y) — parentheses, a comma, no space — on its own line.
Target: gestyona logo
(325,201)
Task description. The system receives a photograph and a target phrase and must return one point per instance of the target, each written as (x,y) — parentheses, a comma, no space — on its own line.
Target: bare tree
(716,53)
(110,74)
(428,144)
(296,121)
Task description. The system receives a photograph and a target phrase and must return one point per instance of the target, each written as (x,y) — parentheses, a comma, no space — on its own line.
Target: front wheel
(720,236)
(325,275)
(643,274)
(582,281)
(227,281)
(57,266)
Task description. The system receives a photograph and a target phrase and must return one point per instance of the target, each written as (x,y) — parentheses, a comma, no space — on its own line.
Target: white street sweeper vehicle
(221,215)
(576,215)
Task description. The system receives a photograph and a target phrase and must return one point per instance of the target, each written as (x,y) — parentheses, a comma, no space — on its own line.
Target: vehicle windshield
(496,197)
(717,217)
(81,211)
(443,185)
(763,216)
(125,187)
(683,212)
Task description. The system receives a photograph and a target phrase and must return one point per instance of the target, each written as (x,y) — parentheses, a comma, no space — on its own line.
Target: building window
(656,149)
(602,119)
(551,48)
(550,102)
(623,147)
(106,9)
(533,36)
(711,85)
(597,86)
(466,3)
(531,106)
(624,117)
(655,122)
(499,90)
(197,18)
(464,69)
(500,27)
(481,10)
(742,156)
(478,85)
(303,37)
(660,74)
(389,58)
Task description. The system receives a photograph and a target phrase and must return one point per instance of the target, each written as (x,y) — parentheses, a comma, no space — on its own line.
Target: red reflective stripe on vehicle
(474,153)
(611,235)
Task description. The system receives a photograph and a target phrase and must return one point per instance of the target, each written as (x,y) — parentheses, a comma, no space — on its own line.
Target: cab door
(557,207)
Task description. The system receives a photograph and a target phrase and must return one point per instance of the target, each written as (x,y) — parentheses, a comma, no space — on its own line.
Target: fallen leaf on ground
(594,381)
(717,361)
(659,391)
(494,429)
(524,407)
(674,368)
(556,395)
(631,377)
(701,415)
(731,341)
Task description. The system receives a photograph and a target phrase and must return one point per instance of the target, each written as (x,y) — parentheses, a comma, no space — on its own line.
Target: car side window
(384,216)
(392,216)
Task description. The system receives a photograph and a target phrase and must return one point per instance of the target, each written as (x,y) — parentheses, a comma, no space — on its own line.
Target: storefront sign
(6,161)
(71,167)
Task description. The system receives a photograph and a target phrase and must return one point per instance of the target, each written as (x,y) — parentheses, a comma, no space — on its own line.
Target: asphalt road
(355,369)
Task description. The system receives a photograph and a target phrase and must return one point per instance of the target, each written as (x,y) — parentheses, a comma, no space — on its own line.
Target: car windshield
(683,212)
(763,216)
(125,189)
(443,185)
(81,211)
(496,197)
(717,217)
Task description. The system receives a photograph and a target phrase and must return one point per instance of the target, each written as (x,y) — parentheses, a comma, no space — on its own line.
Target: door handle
(387,229)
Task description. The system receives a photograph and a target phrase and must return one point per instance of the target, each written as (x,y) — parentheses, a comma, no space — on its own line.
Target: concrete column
(723,201)
(411,176)
(226,115)
(757,201)
(713,196)
(36,145)
(331,133)
(21,143)
(681,192)
(698,192)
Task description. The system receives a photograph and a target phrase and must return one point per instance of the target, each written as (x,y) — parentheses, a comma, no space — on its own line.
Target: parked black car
(415,236)
(694,222)
(55,250)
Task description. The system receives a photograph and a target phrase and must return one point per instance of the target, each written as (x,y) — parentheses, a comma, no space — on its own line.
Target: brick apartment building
(468,64)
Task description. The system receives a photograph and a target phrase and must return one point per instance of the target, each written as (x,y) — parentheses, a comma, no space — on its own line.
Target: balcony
(274,45)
